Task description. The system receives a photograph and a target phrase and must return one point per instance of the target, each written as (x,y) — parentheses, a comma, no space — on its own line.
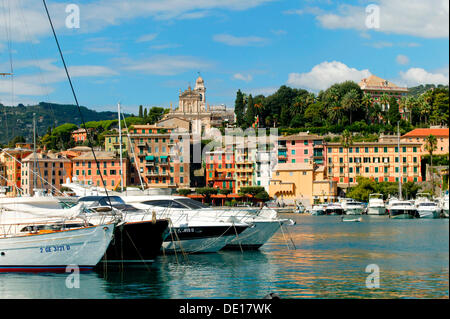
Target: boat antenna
(76,101)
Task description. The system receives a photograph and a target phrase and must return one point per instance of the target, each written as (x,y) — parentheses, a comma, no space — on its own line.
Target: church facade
(192,107)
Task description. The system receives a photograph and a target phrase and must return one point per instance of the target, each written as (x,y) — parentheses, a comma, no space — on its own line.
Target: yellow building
(301,182)
(382,161)
(112,143)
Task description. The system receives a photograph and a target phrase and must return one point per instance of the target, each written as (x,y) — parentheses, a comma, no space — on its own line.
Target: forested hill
(418,90)
(18,120)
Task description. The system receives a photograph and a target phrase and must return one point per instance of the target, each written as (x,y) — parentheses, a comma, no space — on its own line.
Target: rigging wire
(76,101)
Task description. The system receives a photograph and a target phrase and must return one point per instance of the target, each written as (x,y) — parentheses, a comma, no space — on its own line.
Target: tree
(430,147)
(207,192)
(393,112)
(250,113)
(145,113)
(351,102)
(239,107)
(141,113)
(15,140)
(183,191)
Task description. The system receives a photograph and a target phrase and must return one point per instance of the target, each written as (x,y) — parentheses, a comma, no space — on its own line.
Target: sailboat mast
(120,148)
(399,163)
(34,152)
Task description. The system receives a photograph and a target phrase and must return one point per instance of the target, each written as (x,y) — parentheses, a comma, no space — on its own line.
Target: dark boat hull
(137,242)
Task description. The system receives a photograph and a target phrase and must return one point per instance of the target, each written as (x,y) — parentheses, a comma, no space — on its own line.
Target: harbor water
(318,257)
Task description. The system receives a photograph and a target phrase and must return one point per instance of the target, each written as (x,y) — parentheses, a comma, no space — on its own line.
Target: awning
(163,156)
(149,158)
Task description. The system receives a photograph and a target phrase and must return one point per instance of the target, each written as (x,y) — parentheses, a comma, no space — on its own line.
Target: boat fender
(153,217)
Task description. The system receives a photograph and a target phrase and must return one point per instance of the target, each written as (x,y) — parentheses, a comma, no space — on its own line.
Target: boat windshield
(103,200)
(182,203)
(190,203)
(402,204)
(428,204)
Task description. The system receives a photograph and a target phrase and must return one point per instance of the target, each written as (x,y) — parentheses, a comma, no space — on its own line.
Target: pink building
(301,148)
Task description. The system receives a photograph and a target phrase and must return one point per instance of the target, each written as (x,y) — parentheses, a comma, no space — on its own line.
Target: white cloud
(243,77)
(417,76)
(165,65)
(402,59)
(147,37)
(428,19)
(326,74)
(37,83)
(29,22)
(239,41)
(165,46)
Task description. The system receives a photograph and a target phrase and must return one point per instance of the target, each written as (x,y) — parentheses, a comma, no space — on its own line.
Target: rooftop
(424,132)
(376,83)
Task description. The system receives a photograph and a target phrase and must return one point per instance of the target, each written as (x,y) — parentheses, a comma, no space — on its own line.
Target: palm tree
(430,147)
(347,141)
(384,101)
(350,102)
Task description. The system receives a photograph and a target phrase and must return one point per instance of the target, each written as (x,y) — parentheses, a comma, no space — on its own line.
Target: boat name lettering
(54,248)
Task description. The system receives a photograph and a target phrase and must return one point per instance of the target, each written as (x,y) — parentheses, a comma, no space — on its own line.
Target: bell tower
(200,88)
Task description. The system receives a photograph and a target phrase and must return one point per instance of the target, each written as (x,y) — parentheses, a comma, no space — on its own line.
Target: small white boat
(52,247)
(429,210)
(376,205)
(352,219)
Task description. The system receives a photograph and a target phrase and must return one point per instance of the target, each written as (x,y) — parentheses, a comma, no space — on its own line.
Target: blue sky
(144,52)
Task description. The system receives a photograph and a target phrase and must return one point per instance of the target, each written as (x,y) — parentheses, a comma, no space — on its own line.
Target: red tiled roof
(423,132)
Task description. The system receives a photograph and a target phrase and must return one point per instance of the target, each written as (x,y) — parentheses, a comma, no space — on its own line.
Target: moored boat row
(139,229)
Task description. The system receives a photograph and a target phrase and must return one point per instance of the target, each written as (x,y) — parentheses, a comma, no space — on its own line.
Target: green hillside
(18,120)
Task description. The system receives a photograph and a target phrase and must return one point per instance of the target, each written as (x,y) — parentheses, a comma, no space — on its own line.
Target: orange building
(162,159)
(80,135)
(85,170)
(220,169)
(12,159)
(52,169)
(419,135)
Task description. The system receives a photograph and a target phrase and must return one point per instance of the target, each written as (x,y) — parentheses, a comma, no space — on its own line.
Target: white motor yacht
(376,205)
(429,209)
(399,209)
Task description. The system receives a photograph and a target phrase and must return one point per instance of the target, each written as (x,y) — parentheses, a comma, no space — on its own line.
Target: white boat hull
(201,245)
(376,211)
(429,213)
(354,211)
(255,236)
(54,251)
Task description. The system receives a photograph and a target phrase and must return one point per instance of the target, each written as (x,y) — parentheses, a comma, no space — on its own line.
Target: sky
(145,51)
